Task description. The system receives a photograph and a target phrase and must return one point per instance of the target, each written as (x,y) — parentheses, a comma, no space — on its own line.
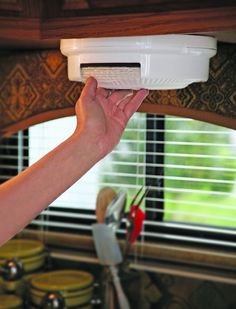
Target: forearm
(26,195)
(102,118)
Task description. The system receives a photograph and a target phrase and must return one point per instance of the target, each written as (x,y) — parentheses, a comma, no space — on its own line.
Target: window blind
(189,167)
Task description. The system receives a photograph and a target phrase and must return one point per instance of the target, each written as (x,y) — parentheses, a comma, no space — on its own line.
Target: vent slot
(114,65)
(112,72)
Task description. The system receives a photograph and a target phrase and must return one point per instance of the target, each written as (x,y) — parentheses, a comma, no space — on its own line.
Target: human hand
(103,114)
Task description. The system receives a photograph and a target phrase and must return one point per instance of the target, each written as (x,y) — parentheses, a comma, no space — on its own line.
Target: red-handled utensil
(134,221)
(136,216)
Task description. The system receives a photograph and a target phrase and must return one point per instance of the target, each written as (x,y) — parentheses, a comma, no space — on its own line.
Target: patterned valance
(34,88)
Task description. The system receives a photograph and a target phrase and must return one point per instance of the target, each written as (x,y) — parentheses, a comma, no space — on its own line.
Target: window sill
(207,264)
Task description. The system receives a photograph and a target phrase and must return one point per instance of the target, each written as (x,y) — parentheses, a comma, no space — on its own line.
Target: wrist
(87,145)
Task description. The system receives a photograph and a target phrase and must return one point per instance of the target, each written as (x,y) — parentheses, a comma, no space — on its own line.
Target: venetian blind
(189,167)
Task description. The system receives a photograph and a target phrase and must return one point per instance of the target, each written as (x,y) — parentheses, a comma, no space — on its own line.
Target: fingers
(120,95)
(103,92)
(89,90)
(124,100)
(135,102)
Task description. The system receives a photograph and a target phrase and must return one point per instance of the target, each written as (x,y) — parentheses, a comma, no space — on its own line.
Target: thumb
(89,90)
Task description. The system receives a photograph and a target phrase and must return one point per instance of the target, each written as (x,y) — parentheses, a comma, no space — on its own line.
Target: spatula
(109,254)
(115,210)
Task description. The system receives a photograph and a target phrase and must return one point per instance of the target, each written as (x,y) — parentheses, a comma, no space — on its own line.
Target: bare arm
(101,120)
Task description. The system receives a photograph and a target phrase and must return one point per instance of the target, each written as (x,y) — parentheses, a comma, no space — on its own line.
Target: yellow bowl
(89,306)
(62,280)
(20,248)
(10,302)
(34,262)
(30,253)
(69,301)
(1,285)
(74,286)
(14,286)
(18,287)
(65,294)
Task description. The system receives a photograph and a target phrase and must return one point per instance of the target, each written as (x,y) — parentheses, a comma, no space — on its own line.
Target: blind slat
(193,214)
(190,179)
(61,224)
(176,131)
(175,143)
(206,241)
(68,214)
(174,166)
(188,202)
(187,155)
(192,227)
(140,164)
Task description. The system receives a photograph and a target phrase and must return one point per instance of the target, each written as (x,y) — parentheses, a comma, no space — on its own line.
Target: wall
(34,88)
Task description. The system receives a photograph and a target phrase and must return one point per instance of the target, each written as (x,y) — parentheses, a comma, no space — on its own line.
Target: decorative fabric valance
(34,88)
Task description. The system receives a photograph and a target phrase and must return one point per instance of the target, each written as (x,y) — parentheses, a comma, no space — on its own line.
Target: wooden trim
(170,253)
(150,267)
(188,21)
(205,116)
(82,20)
(75,5)
(13,5)
(56,238)
(144,108)
(39,118)
(19,28)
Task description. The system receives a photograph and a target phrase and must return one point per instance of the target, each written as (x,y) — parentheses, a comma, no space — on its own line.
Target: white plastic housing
(151,62)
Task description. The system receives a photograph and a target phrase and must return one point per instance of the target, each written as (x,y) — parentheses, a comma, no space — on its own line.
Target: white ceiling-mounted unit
(151,62)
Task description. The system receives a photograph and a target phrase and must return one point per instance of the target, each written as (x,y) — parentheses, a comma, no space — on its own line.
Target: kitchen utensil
(137,216)
(109,254)
(115,210)
(135,220)
(109,296)
(104,198)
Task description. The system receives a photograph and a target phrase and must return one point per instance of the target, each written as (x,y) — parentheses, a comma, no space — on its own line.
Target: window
(13,155)
(198,175)
(189,166)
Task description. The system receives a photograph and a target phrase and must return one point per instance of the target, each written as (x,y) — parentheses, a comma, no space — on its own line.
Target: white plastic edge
(167,61)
